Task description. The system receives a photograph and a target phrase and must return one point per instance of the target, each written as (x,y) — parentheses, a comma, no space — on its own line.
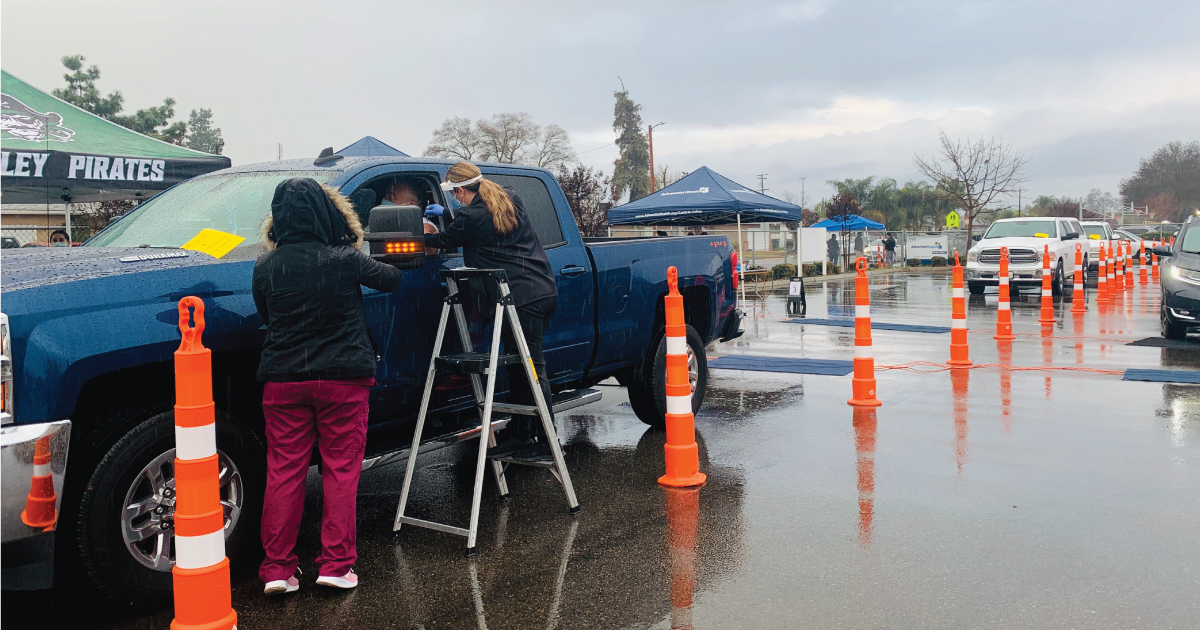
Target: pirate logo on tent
(25,123)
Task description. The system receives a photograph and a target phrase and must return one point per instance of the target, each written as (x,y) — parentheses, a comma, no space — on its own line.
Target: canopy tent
(370,146)
(55,152)
(850,223)
(703,198)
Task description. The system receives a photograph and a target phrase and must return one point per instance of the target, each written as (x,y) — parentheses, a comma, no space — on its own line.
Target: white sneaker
(277,587)
(350,580)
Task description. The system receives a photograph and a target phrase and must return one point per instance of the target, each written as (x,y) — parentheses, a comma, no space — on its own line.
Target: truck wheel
(976,288)
(1056,284)
(125,520)
(648,395)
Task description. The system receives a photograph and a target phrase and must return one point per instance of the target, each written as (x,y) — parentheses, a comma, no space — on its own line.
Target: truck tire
(647,395)
(976,288)
(1056,284)
(139,470)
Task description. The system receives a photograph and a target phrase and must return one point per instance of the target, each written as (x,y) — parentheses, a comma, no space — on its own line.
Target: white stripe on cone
(679,404)
(198,552)
(1047,293)
(1004,281)
(862,310)
(957,292)
(41,470)
(862,352)
(958,323)
(677,345)
(1004,305)
(195,442)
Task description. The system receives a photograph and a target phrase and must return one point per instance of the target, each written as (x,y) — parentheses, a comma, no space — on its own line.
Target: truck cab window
(407,188)
(538,205)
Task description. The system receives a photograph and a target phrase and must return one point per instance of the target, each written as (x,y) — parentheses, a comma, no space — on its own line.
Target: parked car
(1179,272)
(1096,232)
(1026,240)
(93,330)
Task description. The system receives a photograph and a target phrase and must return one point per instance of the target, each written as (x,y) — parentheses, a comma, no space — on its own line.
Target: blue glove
(434,210)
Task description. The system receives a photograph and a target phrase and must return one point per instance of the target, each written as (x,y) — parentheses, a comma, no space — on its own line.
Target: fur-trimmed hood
(339,201)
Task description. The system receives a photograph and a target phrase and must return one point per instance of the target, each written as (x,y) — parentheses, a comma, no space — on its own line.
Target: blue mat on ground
(782,364)
(849,323)
(1161,376)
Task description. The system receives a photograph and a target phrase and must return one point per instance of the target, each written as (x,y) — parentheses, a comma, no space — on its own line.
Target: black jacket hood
(303,212)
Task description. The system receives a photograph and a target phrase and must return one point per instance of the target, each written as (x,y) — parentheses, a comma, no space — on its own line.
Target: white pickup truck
(1026,240)
(1096,232)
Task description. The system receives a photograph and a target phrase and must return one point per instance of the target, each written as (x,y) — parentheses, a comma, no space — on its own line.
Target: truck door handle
(573,270)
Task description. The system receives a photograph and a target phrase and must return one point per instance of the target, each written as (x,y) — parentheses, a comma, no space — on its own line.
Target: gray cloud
(818,88)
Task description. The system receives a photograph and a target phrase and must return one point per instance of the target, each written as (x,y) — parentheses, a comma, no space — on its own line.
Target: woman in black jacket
(495,233)
(318,363)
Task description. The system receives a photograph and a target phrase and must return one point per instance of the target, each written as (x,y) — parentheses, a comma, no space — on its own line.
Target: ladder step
(441,527)
(472,362)
(561,401)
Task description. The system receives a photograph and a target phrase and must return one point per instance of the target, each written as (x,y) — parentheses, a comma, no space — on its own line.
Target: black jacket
(307,291)
(520,254)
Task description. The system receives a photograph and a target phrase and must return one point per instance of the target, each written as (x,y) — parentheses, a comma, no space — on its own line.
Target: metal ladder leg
(560,465)
(464,338)
(416,440)
(473,528)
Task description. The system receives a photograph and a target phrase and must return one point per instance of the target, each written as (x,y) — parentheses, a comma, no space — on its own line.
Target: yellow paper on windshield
(215,243)
(1041,235)
(1094,237)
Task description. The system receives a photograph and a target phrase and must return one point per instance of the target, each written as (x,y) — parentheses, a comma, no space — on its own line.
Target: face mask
(60,244)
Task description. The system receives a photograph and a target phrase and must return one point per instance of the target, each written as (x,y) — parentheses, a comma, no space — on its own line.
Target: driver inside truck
(400,192)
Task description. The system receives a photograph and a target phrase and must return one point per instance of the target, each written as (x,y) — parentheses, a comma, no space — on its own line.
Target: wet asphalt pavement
(986,498)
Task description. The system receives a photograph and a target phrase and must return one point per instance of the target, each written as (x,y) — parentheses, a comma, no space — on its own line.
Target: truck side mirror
(397,236)
(1162,250)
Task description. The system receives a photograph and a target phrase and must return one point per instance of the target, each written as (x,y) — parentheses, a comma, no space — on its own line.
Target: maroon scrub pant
(334,414)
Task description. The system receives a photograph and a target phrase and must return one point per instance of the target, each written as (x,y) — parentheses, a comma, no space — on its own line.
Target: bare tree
(586,189)
(455,139)
(506,137)
(974,174)
(552,148)
(90,218)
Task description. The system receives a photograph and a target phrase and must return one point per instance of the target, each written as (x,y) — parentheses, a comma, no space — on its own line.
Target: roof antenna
(327,157)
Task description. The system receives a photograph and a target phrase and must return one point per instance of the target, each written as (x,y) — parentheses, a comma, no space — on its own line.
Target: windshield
(1037,228)
(236,203)
(1191,241)
(1095,231)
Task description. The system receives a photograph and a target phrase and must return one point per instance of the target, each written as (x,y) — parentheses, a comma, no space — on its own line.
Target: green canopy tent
(54,152)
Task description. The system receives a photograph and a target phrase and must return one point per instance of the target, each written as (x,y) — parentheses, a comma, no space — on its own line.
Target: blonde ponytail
(499,204)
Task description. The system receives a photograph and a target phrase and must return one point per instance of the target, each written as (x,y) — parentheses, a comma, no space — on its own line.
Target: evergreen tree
(81,89)
(202,136)
(631,170)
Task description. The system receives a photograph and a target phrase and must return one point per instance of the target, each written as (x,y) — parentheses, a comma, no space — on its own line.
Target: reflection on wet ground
(995,497)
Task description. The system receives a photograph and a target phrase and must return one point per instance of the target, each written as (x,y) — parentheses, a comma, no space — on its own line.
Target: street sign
(953,219)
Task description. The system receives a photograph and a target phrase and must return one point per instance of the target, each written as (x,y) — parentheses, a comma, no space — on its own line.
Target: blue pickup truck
(89,334)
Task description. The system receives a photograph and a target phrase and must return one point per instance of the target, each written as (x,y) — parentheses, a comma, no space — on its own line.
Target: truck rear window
(1095,230)
(236,203)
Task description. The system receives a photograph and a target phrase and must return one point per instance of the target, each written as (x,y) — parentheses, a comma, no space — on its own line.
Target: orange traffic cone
(863,382)
(959,349)
(681,454)
(1128,265)
(1003,308)
(1142,271)
(1102,278)
(1114,271)
(865,424)
(201,572)
(40,505)
(1154,263)
(1047,316)
(1078,299)
(683,524)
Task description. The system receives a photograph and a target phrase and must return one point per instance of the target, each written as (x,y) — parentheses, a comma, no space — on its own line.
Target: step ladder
(475,364)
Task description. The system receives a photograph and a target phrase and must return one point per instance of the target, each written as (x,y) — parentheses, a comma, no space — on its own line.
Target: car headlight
(972,255)
(1185,275)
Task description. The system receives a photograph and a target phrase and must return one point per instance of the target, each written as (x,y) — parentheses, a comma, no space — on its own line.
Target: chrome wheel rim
(148,515)
(693,368)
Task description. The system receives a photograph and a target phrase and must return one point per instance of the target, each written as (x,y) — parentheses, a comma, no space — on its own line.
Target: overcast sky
(816,89)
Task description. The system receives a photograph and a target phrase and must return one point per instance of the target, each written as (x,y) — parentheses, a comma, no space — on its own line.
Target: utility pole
(1019,191)
(762,179)
(650,136)
(280,156)
(802,200)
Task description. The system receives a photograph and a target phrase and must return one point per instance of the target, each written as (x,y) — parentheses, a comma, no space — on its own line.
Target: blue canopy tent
(850,222)
(705,198)
(370,146)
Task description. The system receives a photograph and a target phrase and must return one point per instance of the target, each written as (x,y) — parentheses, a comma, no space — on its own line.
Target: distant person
(858,244)
(835,250)
(889,250)
(60,238)
(318,363)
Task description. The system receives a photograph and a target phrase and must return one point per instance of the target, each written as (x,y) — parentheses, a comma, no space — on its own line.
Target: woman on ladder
(495,233)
